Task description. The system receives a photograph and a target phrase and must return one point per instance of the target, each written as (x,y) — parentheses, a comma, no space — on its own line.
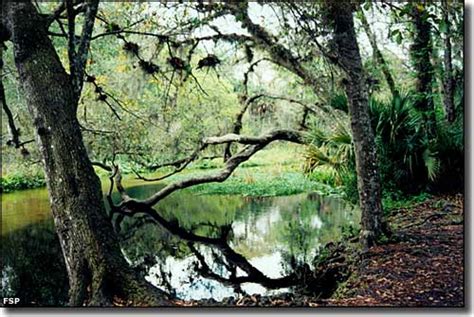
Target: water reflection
(274,234)
(32,266)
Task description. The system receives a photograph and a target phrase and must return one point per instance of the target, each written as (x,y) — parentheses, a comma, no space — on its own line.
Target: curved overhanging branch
(178,163)
(254,144)
(181,165)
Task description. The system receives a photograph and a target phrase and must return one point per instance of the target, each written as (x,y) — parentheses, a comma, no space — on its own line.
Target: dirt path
(424,269)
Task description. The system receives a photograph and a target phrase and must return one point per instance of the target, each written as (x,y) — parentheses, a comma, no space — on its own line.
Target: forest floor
(423,266)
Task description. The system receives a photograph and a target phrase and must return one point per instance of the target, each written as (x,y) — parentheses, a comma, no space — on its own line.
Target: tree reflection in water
(277,236)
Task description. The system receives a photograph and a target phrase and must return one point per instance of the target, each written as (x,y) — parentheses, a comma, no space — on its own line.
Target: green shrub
(410,161)
(21,181)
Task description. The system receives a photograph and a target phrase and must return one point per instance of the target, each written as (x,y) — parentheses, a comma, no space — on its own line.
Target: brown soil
(425,268)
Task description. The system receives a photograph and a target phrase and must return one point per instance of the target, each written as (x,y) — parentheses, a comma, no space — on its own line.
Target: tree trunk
(368,181)
(448,82)
(421,51)
(98,272)
(378,55)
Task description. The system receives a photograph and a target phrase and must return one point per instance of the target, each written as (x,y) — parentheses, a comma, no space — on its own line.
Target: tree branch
(378,54)
(71,32)
(255,144)
(14,131)
(178,164)
(83,50)
(281,55)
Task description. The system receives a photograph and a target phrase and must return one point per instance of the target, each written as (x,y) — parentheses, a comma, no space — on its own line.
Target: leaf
(443,27)
(432,164)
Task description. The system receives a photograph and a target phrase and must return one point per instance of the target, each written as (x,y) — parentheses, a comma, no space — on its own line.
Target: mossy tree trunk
(98,272)
(368,180)
(421,52)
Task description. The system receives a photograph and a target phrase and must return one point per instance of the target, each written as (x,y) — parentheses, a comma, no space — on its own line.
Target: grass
(272,166)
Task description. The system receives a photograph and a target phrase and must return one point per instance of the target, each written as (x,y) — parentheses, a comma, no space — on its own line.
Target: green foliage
(409,160)
(22,180)
(330,156)
(331,148)
(397,200)
(339,102)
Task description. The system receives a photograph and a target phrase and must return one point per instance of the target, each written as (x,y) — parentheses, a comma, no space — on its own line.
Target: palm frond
(432,164)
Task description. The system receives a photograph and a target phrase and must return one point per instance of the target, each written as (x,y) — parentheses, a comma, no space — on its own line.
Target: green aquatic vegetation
(262,184)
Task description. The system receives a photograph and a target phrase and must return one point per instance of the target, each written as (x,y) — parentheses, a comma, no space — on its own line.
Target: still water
(270,232)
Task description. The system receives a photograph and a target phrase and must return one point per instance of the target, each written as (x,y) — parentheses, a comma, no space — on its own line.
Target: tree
(448,81)
(421,52)
(368,179)
(98,273)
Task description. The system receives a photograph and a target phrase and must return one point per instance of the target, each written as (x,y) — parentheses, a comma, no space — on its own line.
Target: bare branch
(279,54)
(378,54)
(118,183)
(14,130)
(102,166)
(282,135)
(57,12)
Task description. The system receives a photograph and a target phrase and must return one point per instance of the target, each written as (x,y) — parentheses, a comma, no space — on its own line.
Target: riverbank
(276,171)
(422,266)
